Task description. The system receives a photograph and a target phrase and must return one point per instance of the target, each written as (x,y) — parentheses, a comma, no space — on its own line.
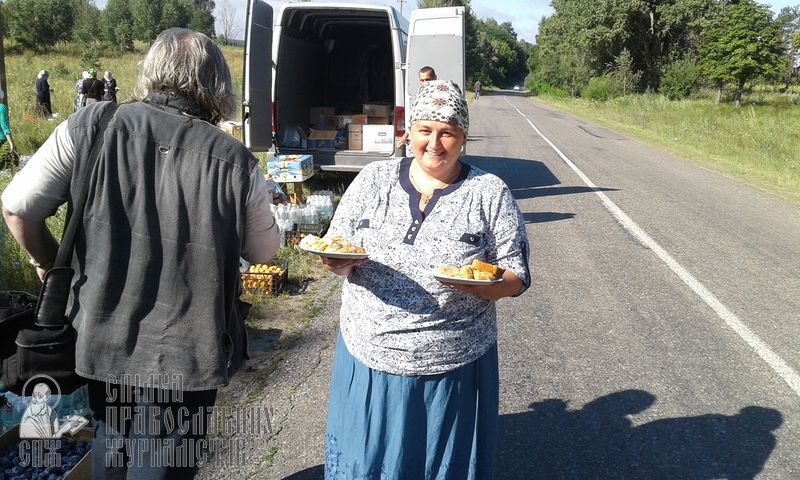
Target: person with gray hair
(414,387)
(173,204)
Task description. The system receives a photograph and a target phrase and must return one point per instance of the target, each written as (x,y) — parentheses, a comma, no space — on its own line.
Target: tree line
(603,48)
(41,24)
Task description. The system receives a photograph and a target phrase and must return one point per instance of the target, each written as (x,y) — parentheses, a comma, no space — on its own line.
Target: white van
(333,62)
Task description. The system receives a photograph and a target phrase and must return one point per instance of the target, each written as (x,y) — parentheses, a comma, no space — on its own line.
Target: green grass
(64,66)
(757,143)
(30,132)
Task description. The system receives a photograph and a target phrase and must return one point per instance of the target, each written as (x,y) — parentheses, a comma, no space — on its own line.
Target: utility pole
(401,2)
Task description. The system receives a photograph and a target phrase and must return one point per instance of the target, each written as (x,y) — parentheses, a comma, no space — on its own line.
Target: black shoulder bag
(36,337)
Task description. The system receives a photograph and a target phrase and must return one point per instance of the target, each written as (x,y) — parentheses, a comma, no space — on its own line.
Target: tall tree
(86,29)
(227,19)
(34,30)
(740,43)
(789,20)
(146,19)
(117,25)
(201,17)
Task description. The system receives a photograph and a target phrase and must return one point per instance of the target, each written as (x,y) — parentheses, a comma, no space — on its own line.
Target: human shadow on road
(599,441)
(527,178)
(542,217)
(518,173)
(313,473)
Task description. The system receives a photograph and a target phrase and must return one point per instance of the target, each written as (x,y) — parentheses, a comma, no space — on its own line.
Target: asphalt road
(659,339)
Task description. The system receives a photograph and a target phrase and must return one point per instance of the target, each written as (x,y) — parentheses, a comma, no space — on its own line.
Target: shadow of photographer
(599,441)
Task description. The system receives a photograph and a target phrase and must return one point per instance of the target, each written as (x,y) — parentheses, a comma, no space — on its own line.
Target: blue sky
(523,14)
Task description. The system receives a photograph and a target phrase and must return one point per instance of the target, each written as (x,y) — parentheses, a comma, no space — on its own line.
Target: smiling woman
(416,358)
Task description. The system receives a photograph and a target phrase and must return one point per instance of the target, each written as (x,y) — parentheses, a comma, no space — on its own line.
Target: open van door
(257,87)
(435,39)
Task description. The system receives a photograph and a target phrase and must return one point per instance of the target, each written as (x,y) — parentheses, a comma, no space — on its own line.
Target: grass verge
(758,143)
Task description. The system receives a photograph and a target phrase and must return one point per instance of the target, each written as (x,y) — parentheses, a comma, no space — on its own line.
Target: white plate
(463,281)
(340,256)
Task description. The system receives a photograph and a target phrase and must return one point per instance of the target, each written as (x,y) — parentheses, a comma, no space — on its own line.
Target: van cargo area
(335,68)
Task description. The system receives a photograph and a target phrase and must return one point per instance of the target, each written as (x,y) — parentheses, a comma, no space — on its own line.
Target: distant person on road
(173,205)
(109,87)
(414,390)
(92,88)
(477,89)
(426,74)
(43,106)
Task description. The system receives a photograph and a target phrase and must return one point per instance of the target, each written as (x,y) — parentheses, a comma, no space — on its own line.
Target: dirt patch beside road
(272,416)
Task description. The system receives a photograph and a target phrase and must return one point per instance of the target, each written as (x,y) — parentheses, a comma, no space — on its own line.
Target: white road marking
(786,372)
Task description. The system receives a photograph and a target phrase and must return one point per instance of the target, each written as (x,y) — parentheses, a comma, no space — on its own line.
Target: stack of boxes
(371,130)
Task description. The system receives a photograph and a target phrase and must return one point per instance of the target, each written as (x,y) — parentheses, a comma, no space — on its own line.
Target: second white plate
(337,255)
(463,281)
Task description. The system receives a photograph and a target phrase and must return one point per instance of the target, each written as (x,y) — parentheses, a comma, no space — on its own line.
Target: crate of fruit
(265,279)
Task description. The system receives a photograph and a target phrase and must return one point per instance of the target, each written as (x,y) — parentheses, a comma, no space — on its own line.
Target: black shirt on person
(93,88)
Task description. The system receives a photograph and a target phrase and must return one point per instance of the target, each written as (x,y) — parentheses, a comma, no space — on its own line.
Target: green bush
(90,59)
(61,70)
(600,89)
(535,87)
(680,79)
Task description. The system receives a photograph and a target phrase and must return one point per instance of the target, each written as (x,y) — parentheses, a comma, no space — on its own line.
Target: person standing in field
(110,87)
(477,88)
(78,103)
(5,129)
(43,106)
(92,88)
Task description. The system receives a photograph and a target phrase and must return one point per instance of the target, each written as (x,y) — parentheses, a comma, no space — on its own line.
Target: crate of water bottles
(313,216)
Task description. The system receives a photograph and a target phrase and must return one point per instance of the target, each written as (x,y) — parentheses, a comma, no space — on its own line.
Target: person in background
(43,107)
(92,88)
(173,205)
(79,99)
(426,73)
(414,390)
(109,87)
(5,129)
(477,89)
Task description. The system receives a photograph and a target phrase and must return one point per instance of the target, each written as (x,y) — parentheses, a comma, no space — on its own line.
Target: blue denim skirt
(392,427)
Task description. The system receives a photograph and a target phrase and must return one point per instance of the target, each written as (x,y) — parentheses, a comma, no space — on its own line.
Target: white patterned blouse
(397,318)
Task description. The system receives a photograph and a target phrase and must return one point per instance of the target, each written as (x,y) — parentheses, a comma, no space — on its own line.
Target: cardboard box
(378,138)
(315,113)
(355,139)
(377,109)
(291,168)
(355,119)
(371,120)
(322,140)
(333,122)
